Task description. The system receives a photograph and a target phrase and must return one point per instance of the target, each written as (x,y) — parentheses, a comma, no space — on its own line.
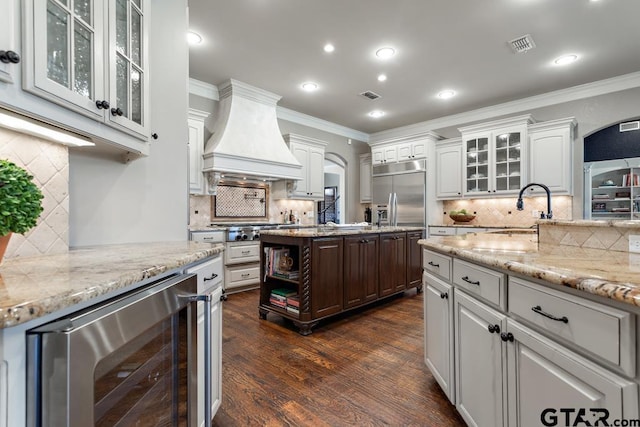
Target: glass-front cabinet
(91,57)
(614,190)
(495,157)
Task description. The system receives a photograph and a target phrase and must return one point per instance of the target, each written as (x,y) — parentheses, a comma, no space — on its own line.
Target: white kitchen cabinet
(310,153)
(494,157)
(412,150)
(195,122)
(480,368)
(9,48)
(90,57)
(551,350)
(365,178)
(449,169)
(544,376)
(551,155)
(384,154)
(438,336)
(210,278)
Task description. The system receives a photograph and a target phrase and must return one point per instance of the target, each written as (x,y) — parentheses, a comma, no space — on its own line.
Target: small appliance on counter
(367,215)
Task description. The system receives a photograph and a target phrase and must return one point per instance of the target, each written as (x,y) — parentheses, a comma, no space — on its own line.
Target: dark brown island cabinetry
(310,274)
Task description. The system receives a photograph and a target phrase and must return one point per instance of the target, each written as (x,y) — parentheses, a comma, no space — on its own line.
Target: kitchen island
(522,326)
(310,274)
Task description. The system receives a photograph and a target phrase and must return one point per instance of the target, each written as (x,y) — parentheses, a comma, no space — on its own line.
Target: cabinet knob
(116,111)
(154,135)
(507,336)
(494,329)
(224,297)
(444,295)
(102,105)
(9,57)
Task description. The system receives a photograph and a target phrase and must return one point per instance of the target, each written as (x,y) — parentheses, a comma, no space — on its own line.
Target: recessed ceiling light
(309,86)
(446,94)
(376,114)
(329,48)
(194,38)
(385,52)
(382,77)
(566,59)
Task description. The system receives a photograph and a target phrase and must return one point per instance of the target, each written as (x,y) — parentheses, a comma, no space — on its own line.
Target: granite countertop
(32,287)
(610,274)
(335,231)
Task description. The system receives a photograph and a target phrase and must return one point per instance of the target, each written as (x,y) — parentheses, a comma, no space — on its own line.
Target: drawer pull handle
(245,274)
(494,329)
(507,336)
(213,276)
(433,264)
(444,295)
(538,310)
(466,279)
(246,252)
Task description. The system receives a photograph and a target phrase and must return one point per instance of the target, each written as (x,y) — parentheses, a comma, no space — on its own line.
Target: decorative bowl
(462,217)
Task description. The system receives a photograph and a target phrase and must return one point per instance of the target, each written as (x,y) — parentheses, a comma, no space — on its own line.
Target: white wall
(147,199)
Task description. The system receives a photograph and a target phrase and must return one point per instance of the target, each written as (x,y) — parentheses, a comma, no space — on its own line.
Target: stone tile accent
(48,162)
(604,235)
(502,212)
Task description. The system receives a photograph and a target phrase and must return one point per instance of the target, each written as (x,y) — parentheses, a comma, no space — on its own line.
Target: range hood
(246,140)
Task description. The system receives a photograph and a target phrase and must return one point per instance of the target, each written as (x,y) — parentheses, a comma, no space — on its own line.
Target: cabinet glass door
(127,64)
(67,66)
(507,161)
(477,165)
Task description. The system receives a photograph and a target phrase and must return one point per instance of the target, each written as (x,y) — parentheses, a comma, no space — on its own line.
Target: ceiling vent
(626,127)
(522,44)
(370,95)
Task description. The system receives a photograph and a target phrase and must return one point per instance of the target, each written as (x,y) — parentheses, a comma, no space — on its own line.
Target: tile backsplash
(49,164)
(501,212)
(201,215)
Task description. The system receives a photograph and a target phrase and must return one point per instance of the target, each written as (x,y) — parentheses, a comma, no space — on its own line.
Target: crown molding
(203,89)
(323,125)
(588,90)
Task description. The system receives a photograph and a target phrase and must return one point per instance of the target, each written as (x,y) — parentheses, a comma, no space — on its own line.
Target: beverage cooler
(612,189)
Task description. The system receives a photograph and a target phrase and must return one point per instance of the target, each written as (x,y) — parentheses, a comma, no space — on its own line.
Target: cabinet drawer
(437,264)
(208,236)
(242,253)
(480,281)
(604,331)
(442,231)
(209,273)
(241,275)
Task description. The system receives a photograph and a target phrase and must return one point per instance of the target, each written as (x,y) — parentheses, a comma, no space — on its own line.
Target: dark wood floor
(365,369)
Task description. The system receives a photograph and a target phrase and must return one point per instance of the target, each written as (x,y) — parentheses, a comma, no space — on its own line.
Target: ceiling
(462,45)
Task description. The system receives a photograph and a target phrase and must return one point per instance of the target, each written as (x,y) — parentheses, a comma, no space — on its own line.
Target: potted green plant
(20,202)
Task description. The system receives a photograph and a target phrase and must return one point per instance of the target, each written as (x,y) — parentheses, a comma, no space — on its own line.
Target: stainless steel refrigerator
(399,192)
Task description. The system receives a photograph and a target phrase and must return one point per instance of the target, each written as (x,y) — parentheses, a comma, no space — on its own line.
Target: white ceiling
(459,44)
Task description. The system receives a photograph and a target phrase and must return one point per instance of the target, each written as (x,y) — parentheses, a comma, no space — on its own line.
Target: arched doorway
(332,208)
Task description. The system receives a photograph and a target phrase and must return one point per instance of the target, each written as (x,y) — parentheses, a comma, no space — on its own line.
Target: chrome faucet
(520,203)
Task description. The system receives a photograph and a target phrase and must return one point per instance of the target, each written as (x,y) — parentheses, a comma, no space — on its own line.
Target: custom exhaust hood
(246,141)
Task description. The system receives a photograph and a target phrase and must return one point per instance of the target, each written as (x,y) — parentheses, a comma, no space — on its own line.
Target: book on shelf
(293,310)
(291,275)
(279,262)
(293,301)
(284,292)
(630,180)
(278,303)
(600,196)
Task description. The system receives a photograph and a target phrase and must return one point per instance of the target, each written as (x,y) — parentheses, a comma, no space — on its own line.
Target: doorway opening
(332,208)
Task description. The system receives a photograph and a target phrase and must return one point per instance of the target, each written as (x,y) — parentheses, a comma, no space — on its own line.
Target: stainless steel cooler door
(410,189)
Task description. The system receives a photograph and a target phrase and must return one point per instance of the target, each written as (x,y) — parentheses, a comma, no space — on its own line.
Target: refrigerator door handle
(393,210)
